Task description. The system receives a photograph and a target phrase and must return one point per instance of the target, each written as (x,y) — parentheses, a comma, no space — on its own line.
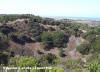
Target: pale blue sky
(75,8)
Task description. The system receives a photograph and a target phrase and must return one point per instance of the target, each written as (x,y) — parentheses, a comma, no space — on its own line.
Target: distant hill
(76,18)
(88,22)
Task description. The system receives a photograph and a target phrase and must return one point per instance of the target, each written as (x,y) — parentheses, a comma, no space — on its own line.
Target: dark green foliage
(50,21)
(3,48)
(94,57)
(55,39)
(6,29)
(17,40)
(84,48)
(79,26)
(3,42)
(94,39)
(38,38)
(47,59)
(96,45)
(4,58)
(12,17)
(50,57)
(74,64)
(51,29)
(64,25)
(11,54)
(61,53)
(76,32)
(92,33)
(47,40)
(89,35)
(35,29)
(59,39)
(21,40)
(39,52)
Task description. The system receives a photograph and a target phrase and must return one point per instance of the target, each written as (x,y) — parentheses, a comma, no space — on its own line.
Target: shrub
(59,39)
(74,64)
(3,42)
(47,59)
(39,52)
(51,29)
(4,58)
(96,45)
(27,62)
(54,39)
(94,67)
(47,40)
(61,53)
(84,48)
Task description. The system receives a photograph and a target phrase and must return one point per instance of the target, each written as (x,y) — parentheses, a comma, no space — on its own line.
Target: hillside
(89,22)
(50,42)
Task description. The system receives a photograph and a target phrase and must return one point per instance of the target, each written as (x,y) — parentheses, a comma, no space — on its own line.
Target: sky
(74,8)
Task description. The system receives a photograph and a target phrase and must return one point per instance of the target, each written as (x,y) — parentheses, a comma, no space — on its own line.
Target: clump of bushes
(94,67)
(84,48)
(75,65)
(4,58)
(96,45)
(48,59)
(54,39)
(90,47)
(3,42)
(23,61)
